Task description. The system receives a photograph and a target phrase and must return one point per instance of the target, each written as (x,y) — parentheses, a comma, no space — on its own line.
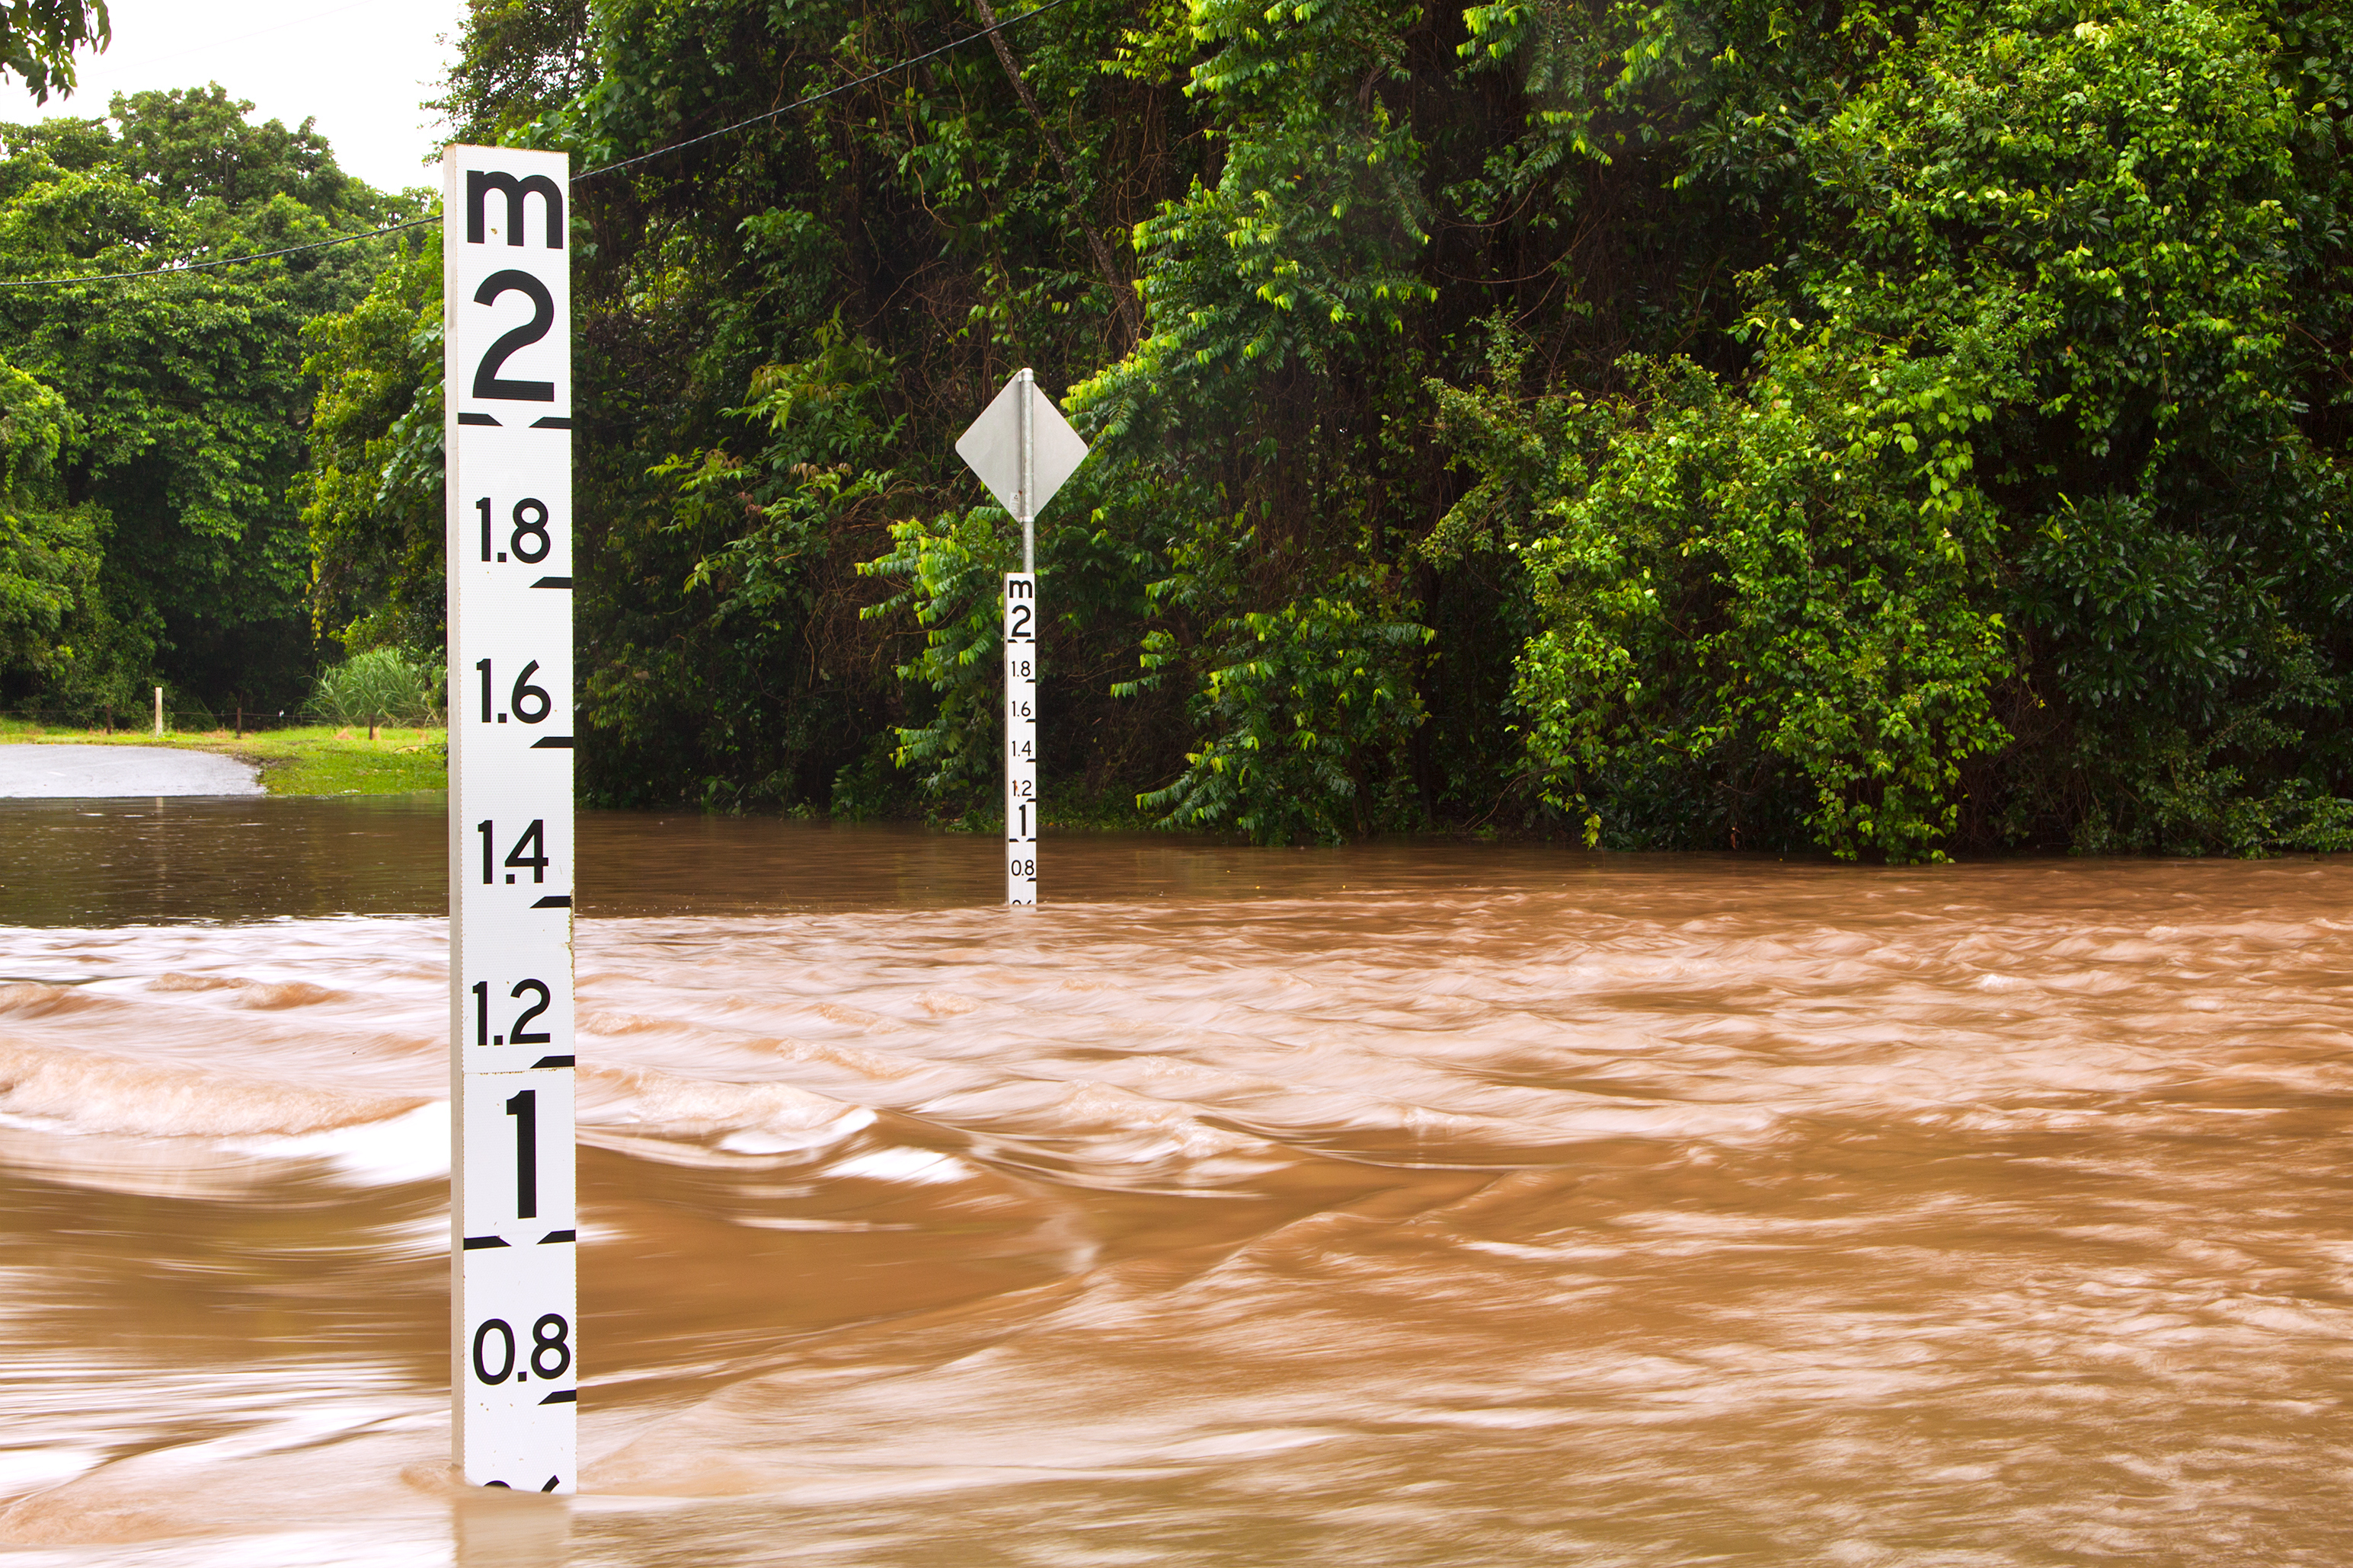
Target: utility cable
(219,261)
(834,91)
(989,31)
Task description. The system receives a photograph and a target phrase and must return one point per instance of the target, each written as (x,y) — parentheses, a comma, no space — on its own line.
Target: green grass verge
(320,760)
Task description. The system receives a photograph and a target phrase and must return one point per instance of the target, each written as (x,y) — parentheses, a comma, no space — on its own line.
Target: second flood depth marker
(514,1368)
(1023,450)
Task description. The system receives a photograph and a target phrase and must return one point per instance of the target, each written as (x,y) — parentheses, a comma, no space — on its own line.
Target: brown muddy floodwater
(1407,1205)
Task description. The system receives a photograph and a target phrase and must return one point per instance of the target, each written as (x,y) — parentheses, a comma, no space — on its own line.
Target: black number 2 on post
(507,386)
(487,384)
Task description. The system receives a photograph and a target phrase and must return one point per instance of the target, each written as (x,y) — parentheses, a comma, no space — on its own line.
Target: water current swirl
(1415,1205)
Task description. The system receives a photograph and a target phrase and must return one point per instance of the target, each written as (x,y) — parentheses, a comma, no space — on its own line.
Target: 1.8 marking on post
(1021,801)
(515,1345)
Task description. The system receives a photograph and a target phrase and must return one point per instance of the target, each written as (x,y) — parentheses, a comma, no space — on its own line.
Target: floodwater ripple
(1405,1207)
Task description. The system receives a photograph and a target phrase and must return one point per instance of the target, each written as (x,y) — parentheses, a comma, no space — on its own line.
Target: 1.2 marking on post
(1022,450)
(1021,801)
(514,1346)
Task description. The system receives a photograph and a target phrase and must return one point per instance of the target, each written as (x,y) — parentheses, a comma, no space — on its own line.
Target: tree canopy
(1880,428)
(1887,428)
(39,37)
(179,402)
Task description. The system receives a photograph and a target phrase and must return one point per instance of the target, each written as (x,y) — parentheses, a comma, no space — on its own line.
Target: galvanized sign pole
(1023,450)
(514,1366)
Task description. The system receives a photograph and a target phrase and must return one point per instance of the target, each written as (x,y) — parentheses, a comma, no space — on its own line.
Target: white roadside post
(1023,450)
(514,1363)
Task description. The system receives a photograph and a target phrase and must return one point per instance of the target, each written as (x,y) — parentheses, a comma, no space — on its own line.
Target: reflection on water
(1417,1206)
(115,862)
(111,862)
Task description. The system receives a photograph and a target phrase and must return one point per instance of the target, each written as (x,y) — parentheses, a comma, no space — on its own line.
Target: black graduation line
(630,163)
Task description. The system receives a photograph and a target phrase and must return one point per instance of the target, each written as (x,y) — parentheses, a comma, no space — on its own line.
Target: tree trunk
(1123,295)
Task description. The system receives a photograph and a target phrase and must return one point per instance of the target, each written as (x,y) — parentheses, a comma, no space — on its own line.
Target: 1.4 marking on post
(515,1345)
(1021,801)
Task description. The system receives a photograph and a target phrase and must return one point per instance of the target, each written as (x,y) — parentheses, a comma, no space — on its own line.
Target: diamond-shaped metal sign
(992,449)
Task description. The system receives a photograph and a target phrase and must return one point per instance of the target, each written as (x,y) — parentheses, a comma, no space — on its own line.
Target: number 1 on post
(515,1347)
(1021,804)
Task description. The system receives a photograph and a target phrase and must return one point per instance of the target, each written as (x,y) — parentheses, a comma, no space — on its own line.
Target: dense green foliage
(39,37)
(1703,423)
(371,495)
(154,427)
(2029,498)
(379,685)
(49,551)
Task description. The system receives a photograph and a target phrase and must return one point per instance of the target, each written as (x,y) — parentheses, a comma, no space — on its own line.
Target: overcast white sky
(360,67)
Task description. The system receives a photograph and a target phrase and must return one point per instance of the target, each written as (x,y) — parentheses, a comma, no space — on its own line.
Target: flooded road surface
(1409,1205)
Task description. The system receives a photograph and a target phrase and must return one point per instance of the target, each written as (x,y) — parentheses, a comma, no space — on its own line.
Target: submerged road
(1408,1204)
(52,772)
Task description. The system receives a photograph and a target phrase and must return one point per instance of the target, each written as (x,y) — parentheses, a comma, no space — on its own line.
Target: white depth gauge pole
(1023,450)
(514,1353)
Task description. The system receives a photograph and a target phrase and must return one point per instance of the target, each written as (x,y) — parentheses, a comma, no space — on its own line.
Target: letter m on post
(481,183)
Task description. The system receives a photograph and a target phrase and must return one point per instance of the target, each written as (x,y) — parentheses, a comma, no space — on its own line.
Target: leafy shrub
(1783,586)
(2006,503)
(49,552)
(951,566)
(1304,716)
(381,684)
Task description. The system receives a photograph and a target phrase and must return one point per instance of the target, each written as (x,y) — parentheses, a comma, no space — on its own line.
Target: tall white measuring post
(1023,450)
(514,1352)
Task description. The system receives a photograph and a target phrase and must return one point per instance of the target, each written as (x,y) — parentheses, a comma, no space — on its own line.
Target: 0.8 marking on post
(1021,802)
(514,1343)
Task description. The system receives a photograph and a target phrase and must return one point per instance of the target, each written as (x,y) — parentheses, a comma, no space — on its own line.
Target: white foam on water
(773,1140)
(636,1097)
(360,1547)
(899,1164)
(410,1147)
(29,1469)
(66,1087)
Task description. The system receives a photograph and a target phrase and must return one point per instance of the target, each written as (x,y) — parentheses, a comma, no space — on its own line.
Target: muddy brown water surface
(1405,1205)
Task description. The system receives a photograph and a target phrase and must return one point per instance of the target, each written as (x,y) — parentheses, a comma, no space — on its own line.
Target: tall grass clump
(380,685)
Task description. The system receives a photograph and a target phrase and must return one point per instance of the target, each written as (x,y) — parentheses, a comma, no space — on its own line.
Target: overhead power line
(834,91)
(974,36)
(220,261)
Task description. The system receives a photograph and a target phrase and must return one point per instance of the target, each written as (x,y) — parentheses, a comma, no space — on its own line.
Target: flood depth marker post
(1023,450)
(515,1362)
